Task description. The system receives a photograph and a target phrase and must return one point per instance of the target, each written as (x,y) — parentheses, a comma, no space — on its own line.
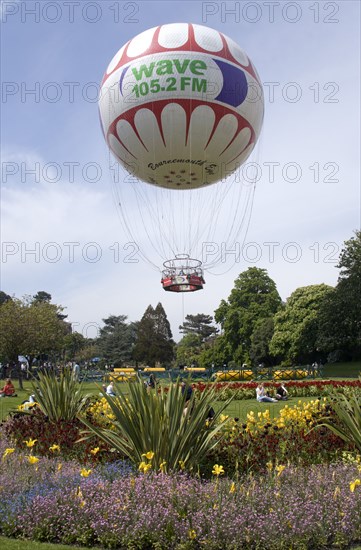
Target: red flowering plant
(54,420)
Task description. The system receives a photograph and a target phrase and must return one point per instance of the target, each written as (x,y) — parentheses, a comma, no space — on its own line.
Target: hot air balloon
(181,108)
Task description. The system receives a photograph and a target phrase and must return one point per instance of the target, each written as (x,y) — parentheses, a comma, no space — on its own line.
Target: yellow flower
(7,452)
(233,487)
(149,455)
(54,448)
(162,466)
(182,464)
(279,469)
(217,470)
(192,534)
(59,467)
(144,467)
(269,466)
(95,450)
(354,484)
(84,472)
(30,442)
(32,459)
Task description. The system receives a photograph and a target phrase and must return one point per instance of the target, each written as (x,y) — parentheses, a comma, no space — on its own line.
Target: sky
(61,230)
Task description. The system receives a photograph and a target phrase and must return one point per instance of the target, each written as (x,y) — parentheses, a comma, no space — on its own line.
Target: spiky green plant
(59,398)
(157,423)
(348,412)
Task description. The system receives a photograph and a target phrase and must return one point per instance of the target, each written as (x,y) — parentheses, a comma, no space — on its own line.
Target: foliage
(59,398)
(286,439)
(295,330)
(154,341)
(4,297)
(158,422)
(73,344)
(30,328)
(189,349)
(253,297)
(116,340)
(340,317)
(216,353)
(20,427)
(348,412)
(260,342)
(199,324)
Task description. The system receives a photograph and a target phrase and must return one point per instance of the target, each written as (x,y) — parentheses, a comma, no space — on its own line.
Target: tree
(340,317)
(116,340)
(154,341)
(254,297)
(29,328)
(260,342)
(4,297)
(216,352)
(73,344)
(296,326)
(189,349)
(200,325)
(42,296)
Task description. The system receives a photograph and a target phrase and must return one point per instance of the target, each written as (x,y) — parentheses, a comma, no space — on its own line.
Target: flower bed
(288,438)
(307,388)
(287,507)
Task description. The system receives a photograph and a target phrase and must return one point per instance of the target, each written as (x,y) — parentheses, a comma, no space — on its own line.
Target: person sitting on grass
(8,390)
(262,396)
(110,390)
(281,393)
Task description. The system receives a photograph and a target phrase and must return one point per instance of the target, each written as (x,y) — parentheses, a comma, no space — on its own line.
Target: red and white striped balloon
(181,106)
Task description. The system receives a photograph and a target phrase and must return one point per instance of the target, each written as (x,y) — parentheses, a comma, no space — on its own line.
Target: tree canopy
(116,339)
(296,326)
(253,297)
(154,341)
(340,317)
(30,328)
(199,324)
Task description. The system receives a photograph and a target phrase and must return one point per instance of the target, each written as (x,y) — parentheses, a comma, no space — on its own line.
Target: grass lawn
(237,408)
(14,544)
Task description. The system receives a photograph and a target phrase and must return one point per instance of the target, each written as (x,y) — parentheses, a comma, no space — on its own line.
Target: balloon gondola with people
(182,274)
(181,107)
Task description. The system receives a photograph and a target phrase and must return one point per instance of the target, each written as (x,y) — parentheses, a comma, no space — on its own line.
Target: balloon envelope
(181,106)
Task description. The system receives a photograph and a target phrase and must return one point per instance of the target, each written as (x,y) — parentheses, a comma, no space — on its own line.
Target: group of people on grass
(263,396)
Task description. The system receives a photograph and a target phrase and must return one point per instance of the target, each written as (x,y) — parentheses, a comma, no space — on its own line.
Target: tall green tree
(116,340)
(254,297)
(340,318)
(296,326)
(189,349)
(260,342)
(30,328)
(154,341)
(199,324)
